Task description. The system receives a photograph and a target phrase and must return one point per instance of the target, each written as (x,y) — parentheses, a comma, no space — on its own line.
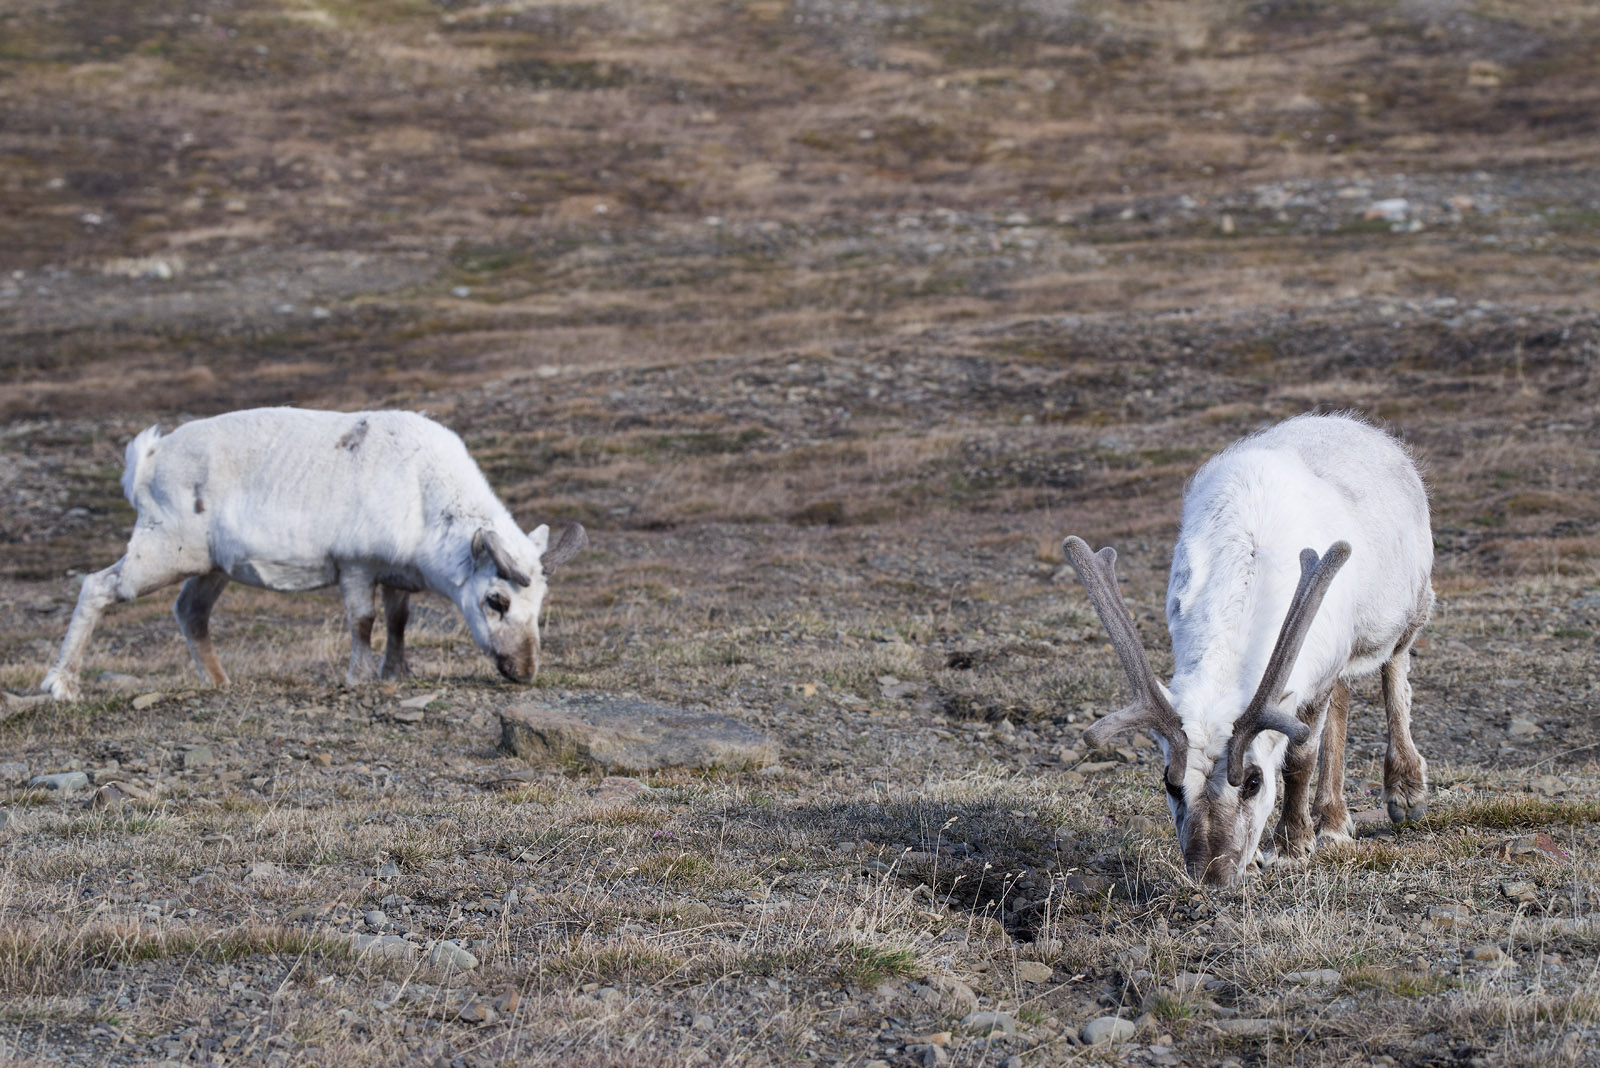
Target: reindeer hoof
(1399,812)
(60,687)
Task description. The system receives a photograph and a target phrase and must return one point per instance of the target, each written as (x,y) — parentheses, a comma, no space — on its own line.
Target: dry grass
(828,320)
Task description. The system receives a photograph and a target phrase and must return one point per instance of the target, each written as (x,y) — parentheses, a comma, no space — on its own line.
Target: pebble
(1519,890)
(450,955)
(406,715)
(1142,826)
(1550,785)
(477,1011)
(1522,728)
(115,794)
(1487,952)
(375,919)
(948,991)
(703,1022)
(1189,982)
(199,756)
(1316,977)
(1447,915)
(422,700)
(1031,971)
(387,946)
(1247,1026)
(1105,1029)
(146,700)
(988,1021)
(63,781)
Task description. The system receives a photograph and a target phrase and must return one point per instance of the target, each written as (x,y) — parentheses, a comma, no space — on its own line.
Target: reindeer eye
(498,602)
(1252,784)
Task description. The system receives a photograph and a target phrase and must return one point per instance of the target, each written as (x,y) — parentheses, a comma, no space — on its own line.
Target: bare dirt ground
(828,319)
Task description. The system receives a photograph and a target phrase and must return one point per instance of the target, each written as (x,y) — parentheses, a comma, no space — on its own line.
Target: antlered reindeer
(1242,704)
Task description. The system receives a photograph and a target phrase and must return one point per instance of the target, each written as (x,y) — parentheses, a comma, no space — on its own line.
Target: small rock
(62,781)
(1189,982)
(477,1011)
(387,946)
(1315,977)
(1487,952)
(1392,210)
(1032,971)
(1522,727)
(1105,1029)
(13,771)
(1142,827)
(422,700)
(1247,1026)
(1095,767)
(1447,916)
(891,687)
(263,871)
(949,993)
(987,1022)
(116,794)
(703,1022)
(450,955)
(146,700)
(375,919)
(927,1055)
(406,715)
(618,789)
(198,756)
(1519,890)
(389,870)
(1550,785)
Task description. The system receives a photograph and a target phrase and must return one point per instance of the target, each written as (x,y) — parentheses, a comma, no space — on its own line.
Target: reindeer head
(502,598)
(1220,790)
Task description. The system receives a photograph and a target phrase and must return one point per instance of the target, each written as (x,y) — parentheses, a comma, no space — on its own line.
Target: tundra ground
(828,320)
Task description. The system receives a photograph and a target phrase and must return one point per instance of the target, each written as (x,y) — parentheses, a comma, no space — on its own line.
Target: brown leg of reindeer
(1294,836)
(1330,815)
(193,609)
(1405,773)
(396,612)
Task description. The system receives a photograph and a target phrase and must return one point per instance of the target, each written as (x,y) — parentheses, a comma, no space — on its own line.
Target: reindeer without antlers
(1242,706)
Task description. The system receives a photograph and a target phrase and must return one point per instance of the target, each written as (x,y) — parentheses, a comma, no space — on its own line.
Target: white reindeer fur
(1308,482)
(288,499)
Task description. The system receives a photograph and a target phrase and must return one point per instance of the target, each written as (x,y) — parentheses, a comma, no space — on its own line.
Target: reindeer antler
(1261,715)
(1150,709)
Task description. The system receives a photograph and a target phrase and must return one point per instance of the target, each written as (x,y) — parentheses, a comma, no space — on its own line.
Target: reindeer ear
(540,536)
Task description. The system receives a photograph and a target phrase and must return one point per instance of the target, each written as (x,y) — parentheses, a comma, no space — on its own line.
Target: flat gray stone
(63,781)
(1315,977)
(1105,1029)
(199,756)
(615,734)
(451,955)
(388,947)
(1247,1026)
(987,1022)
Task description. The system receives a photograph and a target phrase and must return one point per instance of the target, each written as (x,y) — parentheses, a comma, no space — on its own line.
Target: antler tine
(1316,574)
(1098,573)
